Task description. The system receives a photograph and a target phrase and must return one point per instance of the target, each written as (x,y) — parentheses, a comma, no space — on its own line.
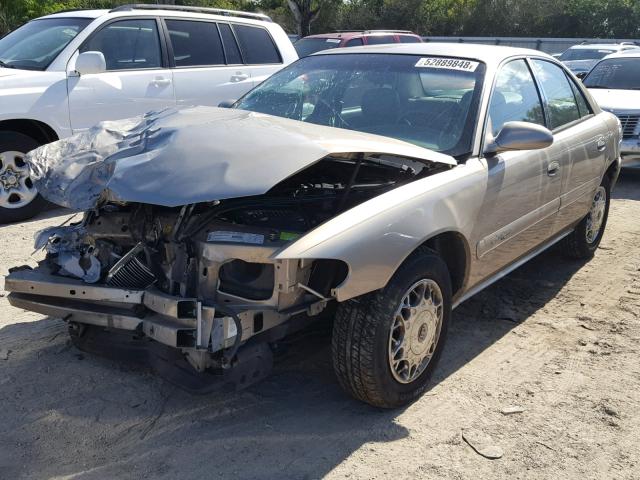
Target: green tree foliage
(538,18)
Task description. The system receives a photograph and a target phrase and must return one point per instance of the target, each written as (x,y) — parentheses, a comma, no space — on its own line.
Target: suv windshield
(430,102)
(307,46)
(584,54)
(36,44)
(616,73)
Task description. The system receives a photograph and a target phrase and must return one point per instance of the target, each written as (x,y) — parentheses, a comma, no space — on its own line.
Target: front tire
(19,199)
(386,344)
(585,238)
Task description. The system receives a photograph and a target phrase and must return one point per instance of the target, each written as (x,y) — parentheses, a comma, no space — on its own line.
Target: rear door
(580,140)
(206,61)
(136,79)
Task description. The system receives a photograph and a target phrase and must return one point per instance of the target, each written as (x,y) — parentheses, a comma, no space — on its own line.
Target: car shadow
(120,421)
(628,185)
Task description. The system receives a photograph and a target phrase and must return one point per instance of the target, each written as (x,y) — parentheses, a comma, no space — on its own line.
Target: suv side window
(558,93)
(354,42)
(195,43)
(380,39)
(231,48)
(409,39)
(256,45)
(127,44)
(515,97)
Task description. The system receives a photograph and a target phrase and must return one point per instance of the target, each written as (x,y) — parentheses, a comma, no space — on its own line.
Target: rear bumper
(630,153)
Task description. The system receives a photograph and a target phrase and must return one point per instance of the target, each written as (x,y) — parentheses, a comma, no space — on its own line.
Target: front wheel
(386,344)
(19,198)
(585,238)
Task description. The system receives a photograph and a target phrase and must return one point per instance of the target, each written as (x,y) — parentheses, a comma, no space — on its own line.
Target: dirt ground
(557,338)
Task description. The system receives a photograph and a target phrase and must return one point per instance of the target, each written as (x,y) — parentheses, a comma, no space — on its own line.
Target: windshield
(307,46)
(585,54)
(616,73)
(430,102)
(36,44)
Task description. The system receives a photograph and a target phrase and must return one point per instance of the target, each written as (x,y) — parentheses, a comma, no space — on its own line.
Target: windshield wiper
(5,65)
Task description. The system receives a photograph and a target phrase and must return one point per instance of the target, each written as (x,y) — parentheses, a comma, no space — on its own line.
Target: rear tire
(367,331)
(19,200)
(585,238)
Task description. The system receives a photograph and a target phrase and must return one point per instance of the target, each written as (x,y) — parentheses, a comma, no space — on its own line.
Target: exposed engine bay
(206,274)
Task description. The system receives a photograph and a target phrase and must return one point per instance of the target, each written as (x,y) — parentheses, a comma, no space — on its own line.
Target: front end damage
(198,273)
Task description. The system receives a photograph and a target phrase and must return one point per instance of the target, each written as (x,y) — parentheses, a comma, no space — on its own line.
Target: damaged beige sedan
(376,188)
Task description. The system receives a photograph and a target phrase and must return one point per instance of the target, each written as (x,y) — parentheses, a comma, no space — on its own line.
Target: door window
(561,101)
(583,105)
(231,49)
(515,97)
(257,45)
(409,39)
(354,42)
(195,43)
(127,44)
(380,39)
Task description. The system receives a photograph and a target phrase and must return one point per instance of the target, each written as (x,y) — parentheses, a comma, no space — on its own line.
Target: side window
(354,42)
(257,45)
(558,93)
(409,39)
(231,49)
(380,39)
(515,97)
(583,105)
(195,43)
(127,44)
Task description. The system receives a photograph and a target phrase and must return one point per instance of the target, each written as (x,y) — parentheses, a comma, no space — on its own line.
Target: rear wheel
(386,344)
(19,198)
(585,238)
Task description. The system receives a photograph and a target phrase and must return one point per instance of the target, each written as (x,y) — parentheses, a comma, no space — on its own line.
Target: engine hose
(228,356)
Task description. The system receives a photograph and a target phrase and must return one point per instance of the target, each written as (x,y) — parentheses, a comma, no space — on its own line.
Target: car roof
(361,33)
(490,54)
(77,14)
(631,53)
(601,46)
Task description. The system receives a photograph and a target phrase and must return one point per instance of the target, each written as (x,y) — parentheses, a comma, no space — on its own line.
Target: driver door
(523,187)
(135,81)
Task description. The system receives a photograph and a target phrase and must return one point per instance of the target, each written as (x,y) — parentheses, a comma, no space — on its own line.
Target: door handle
(160,82)
(601,144)
(553,168)
(239,77)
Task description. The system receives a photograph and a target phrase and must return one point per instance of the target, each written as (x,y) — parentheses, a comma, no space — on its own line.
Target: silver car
(376,188)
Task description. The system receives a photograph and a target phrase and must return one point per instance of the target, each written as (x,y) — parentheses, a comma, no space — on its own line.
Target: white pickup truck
(63,73)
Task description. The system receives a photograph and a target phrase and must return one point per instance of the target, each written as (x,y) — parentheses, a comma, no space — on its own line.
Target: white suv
(63,73)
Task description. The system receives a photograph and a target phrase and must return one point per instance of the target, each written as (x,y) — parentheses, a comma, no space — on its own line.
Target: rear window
(585,54)
(380,39)
(257,45)
(195,43)
(307,46)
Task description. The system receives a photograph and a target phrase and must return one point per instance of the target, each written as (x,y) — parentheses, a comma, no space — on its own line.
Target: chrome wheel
(16,188)
(415,330)
(596,215)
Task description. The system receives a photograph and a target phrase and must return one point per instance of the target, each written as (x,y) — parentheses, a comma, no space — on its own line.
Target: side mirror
(581,75)
(520,136)
(90,62)
(226,103)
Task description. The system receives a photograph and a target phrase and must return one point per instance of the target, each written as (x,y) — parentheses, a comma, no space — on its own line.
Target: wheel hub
(415,330)
(16,188)
(595,217)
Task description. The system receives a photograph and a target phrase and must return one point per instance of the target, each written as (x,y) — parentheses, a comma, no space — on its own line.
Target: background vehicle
(316,43)
(63,73)
(581,58)
(615,84)
(401,180)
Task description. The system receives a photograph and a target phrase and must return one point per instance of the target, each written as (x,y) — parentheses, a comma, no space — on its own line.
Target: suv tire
(367,330)
(19,200)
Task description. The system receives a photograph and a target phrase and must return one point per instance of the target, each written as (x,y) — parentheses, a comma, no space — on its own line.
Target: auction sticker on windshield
(448,63)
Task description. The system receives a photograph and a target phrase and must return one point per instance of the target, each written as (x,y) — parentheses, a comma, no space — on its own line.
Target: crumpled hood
(201,154)
(616,100)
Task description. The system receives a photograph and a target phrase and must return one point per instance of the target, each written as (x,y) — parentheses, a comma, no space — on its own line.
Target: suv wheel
(386,344)
(585,238)
(19,198)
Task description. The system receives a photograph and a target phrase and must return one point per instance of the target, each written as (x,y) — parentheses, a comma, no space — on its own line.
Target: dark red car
(324,41)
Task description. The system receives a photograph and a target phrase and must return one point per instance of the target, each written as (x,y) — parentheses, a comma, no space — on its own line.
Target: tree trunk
(304,15)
